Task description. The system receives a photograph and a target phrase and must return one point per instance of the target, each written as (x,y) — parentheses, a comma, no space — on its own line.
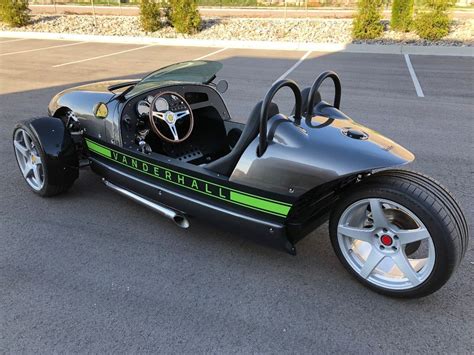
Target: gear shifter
(144,147)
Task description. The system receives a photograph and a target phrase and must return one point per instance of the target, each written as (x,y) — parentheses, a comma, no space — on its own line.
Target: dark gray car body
(317,157)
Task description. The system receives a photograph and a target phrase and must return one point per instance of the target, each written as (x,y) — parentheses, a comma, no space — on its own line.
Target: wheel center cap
(386,240)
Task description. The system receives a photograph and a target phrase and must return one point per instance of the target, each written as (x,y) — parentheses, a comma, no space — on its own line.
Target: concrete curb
(287,46)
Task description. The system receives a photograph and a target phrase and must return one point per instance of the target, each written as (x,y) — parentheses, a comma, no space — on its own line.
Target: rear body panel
(314,152)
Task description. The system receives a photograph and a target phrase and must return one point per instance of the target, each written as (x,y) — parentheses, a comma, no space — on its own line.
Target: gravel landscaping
(294,30)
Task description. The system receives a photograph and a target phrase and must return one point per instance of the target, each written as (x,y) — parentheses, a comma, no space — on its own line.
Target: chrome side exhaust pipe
(179,219)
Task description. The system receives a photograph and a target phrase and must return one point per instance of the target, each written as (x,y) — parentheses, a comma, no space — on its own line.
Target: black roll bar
(317,85)
(263,143)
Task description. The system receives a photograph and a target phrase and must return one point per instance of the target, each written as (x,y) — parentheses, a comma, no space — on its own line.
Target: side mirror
(222,86)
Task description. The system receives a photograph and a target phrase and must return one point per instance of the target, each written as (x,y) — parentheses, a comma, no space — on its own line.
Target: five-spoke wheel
(29,159)
(399,233)
(386,244)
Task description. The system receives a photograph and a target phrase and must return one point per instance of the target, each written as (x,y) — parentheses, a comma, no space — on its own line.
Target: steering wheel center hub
(170,117)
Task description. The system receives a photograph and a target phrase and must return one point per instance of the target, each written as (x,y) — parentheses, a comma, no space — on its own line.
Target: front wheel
(400,233)
(46,155)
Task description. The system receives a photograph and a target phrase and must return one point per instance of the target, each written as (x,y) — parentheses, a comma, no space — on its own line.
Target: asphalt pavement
(90,271)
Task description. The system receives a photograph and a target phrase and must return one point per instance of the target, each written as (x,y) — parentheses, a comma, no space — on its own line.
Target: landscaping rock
(291,30)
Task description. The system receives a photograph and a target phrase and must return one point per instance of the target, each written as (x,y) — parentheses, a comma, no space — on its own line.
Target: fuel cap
(355,133)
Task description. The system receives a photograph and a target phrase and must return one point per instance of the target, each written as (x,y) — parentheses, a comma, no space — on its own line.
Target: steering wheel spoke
(181,114)
(174,131)
(159,115)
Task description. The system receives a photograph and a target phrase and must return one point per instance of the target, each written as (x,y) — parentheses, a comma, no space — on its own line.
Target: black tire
(432,204)
(60,170)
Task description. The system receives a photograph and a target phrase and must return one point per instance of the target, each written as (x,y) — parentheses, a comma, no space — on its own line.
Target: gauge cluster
(143,106)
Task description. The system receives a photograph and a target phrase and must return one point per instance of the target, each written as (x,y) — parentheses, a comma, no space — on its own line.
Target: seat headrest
(272,110)
(305,100)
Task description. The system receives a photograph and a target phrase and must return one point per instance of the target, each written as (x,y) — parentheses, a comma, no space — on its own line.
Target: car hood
(83,98)
(98,87)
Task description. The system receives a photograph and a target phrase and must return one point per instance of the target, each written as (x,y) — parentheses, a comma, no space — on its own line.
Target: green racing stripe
(99,149)
(259,203)
(208,188)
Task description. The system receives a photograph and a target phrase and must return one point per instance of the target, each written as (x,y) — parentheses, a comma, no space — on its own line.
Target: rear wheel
(399,233)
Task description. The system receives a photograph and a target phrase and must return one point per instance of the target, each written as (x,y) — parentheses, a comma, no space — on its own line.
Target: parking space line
(14,40)
(102,56)
(419,90)
(285,74)
(42,49)
(208,55)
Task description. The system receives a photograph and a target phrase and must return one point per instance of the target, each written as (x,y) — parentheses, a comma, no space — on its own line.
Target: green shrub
(402,15)
(14,13)
(432,25)
(440,5)
(184,16)
(366,24)
(150,15)
(432,21)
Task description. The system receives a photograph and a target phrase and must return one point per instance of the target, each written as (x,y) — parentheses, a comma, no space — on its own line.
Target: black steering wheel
(317,85)
(178,112)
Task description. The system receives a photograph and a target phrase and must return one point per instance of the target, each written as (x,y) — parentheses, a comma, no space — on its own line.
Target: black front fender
(61,156)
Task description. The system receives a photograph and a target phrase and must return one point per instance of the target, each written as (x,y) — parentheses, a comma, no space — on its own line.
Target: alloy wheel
(386,244)
(29,160)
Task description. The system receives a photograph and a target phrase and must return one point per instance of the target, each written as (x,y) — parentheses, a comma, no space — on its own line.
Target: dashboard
(209,135)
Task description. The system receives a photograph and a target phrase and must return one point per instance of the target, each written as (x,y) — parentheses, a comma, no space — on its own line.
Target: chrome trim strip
(179,219)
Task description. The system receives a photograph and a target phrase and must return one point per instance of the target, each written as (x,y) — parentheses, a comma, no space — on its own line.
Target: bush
(366,24)
(432,22)
(402,15)
(14,13)
(184,16)
(432,25)
(150,15)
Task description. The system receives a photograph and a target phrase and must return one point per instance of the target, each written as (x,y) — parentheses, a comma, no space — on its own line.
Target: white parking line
(208,55)
(42,49)
(419,90)
(103,56)
(126,51)
(14,40)
(285,74)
